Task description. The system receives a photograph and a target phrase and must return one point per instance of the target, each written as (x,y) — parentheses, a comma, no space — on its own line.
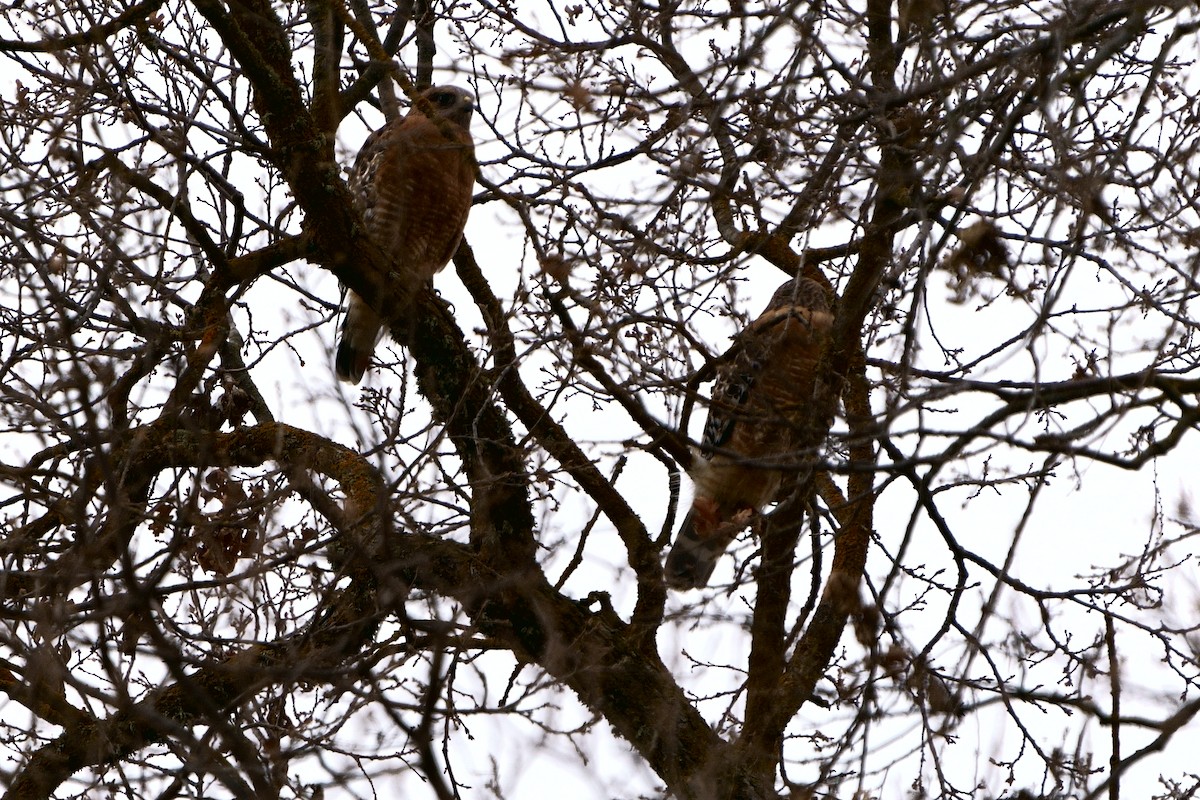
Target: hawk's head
(449,102)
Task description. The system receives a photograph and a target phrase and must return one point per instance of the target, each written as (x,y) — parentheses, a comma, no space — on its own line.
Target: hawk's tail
(692,558)
(356,343)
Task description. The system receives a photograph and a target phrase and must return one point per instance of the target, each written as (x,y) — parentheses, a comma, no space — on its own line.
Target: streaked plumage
(762,399)
(412,180)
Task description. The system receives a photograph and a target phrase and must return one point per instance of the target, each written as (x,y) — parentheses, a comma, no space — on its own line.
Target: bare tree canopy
(226,574)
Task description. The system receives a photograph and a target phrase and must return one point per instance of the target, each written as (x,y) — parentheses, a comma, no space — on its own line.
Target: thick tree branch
(92,36)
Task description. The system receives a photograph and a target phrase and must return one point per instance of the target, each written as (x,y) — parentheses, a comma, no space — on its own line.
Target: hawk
(412,181)
(763,397)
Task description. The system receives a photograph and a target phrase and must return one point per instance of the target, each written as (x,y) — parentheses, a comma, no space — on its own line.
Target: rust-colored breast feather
(419,195)
(764,401)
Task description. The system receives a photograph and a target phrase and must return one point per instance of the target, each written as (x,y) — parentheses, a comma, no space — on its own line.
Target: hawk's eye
(443,99)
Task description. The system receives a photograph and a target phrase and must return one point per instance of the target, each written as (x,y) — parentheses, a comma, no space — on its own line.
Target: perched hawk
(762,398)
(412,181)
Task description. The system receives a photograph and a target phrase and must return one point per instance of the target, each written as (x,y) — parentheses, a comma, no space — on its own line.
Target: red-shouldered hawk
(412,181)
(762,398)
